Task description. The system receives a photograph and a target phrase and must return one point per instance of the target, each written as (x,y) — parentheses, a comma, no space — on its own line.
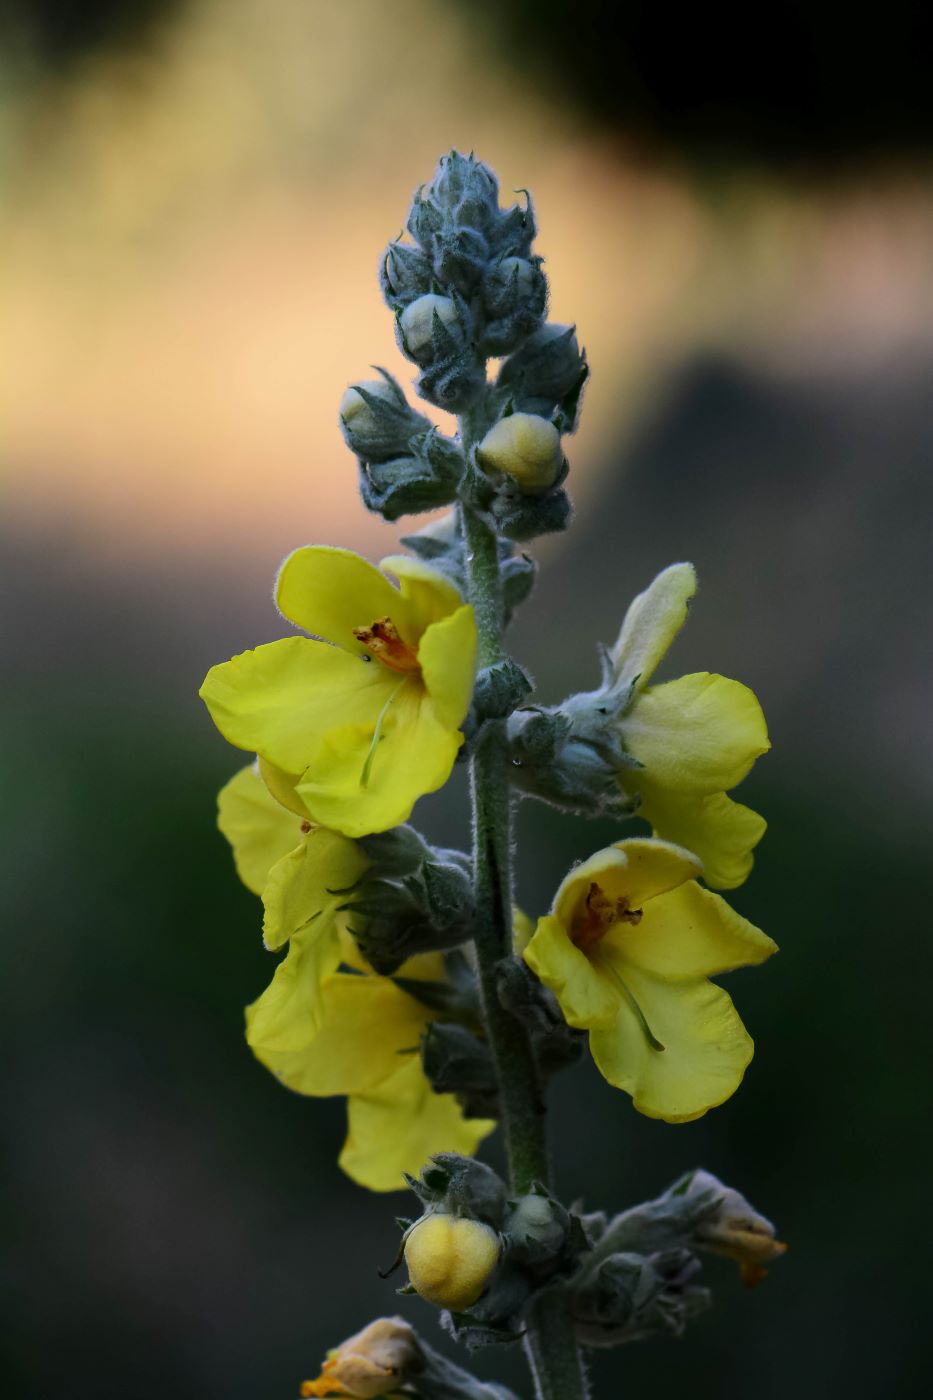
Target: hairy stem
(550,1344)
(552,1350)
(522,1112)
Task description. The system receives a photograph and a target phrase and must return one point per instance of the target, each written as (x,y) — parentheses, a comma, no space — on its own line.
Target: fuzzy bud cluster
(468,287)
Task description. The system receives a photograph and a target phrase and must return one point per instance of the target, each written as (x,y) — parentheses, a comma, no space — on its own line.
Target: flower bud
(451,1259)
(372,1363)
(377,421)
(547,373)
(418,324)
(405,274)
(514,298)
(526,448)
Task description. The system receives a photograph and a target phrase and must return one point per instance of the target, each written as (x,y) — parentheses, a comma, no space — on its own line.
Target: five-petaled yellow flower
(323,1031)
(364,714)
(695,737)
(627,949)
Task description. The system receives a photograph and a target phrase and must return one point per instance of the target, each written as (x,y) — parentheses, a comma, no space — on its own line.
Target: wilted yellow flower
(737,1231)
(364,715)
(696,737)
(627,949)
(374,1362)
(450,1259)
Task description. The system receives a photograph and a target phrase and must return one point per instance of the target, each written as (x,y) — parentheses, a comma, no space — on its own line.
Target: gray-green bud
(546,375)
(404,274)
(377,421)
(514,300)
(430,327)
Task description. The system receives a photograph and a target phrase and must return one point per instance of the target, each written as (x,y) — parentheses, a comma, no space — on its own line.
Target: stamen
(597,916)
(382,640)
(377,735)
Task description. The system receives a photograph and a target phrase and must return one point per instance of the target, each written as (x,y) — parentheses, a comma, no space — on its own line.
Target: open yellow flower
(695,737)
(627,949)
(323,1031)
(302,873)
(364,714)
(366,1047)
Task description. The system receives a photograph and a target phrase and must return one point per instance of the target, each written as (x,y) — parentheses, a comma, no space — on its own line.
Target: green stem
(550,1344)
(552,1350)
(522,1112)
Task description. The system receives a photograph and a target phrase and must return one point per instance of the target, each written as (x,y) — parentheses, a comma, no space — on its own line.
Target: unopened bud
(372,1363)
(418,321)
(377,422)
(514,297)
(451,1259)
(526,448)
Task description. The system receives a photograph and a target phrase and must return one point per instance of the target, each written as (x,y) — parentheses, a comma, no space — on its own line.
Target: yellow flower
(302,873)
(363,715)
(696,737)
(450,1259)
(627,949)
(373,1362)
(323,1031)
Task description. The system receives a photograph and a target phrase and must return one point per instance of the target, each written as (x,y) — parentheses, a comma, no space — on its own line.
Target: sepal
(377,421)
(546,375)
(630,1297)
(500,689)
(458,1062)
(424,478)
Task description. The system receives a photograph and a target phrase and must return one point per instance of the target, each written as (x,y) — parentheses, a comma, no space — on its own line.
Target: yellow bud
(372,1363)
(417,321)
(524,447)
(450,1259)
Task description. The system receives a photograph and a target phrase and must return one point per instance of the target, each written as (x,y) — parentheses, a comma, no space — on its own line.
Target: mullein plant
(407,981)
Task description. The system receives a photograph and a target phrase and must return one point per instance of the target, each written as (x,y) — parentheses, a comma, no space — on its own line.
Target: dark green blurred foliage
(790,83)
(176,1222)
(57,34)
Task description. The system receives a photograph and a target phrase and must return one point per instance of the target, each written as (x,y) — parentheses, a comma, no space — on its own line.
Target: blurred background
(736,210)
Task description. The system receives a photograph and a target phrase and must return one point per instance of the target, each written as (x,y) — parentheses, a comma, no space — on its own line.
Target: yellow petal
(274,700)
(637,869)
(307,883)
(289,1012)
(522,930)
(367,1030)
(586,997)
(721,832)
(699,734)
(429,594)
(259,830)
(397,1127)
(652,622)
(687,933)
(282,785)
(448,663)
(413,755)
(328,592)
(706,1047)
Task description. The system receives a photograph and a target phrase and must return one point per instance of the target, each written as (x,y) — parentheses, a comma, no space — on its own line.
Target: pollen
(597,914)
(381,639)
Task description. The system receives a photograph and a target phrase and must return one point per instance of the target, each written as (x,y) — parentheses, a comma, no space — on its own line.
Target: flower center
(597,914)
(381,639)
